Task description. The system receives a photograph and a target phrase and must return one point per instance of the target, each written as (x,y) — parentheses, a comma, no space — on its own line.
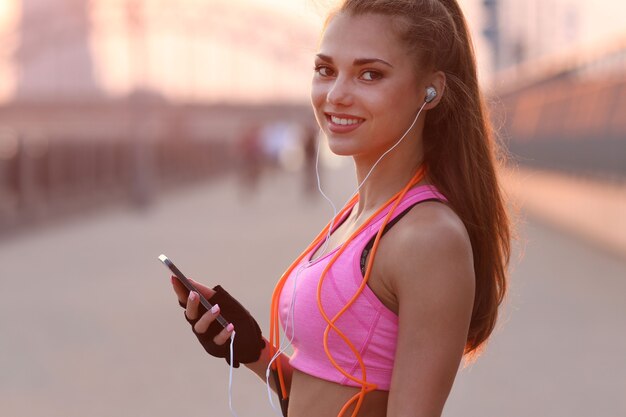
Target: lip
(337,128)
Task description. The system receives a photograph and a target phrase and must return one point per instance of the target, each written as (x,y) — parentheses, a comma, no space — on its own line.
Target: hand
(196,313)
(248,343)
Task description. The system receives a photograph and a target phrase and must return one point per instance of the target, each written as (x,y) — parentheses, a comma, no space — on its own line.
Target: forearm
(259,367)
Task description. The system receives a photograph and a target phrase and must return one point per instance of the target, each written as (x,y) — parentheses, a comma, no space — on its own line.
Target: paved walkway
(590,210)
(89,327)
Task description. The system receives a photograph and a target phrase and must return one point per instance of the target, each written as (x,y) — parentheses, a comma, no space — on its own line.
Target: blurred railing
(42,181)
(569,124)
(57,160)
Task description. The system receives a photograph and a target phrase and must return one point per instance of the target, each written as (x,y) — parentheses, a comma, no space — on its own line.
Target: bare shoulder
(433,226)
(430,241)
(429,265)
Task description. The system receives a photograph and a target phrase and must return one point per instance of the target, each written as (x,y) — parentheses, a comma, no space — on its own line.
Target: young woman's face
(364,92)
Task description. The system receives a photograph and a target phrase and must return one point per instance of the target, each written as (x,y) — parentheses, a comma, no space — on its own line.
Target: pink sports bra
(368,323)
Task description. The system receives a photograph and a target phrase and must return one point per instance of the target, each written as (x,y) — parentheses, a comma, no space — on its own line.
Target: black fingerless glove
(248,339)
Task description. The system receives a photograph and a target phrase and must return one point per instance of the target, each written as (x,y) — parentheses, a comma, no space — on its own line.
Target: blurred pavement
(89,326)
(592,210)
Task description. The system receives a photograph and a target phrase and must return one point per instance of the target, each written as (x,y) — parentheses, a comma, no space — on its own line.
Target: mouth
(342,123)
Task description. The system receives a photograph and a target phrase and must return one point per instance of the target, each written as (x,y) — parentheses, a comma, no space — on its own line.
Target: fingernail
(215,309)
(230,327)
(192,295)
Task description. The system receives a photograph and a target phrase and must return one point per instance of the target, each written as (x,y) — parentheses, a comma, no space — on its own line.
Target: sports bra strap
(390,224)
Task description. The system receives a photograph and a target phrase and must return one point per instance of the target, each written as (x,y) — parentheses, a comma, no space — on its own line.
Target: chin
(340,152)
(341,146)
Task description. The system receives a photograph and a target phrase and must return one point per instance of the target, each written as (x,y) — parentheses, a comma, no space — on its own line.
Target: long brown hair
(459,143)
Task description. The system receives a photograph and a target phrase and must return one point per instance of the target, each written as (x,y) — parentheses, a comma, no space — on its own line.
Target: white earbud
(431,94)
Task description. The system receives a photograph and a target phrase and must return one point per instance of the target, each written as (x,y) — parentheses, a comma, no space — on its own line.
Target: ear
(438,80)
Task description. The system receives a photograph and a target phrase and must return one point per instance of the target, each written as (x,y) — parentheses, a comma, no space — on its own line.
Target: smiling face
(365,92)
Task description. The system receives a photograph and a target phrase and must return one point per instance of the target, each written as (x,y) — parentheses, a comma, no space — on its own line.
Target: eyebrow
(356,62)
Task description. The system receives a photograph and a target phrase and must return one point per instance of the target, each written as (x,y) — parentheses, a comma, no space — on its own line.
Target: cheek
(318,100)
(384,107)
(318,95)
(401,104)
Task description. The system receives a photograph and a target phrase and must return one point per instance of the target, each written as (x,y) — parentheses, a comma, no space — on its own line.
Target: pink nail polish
(192,295)
(230,327)
(215,309)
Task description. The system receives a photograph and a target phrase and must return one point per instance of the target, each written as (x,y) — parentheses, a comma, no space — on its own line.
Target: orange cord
(274,317)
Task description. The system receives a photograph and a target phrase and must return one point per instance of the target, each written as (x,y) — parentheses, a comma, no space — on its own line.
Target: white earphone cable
(282,348)
(332,205)
(319,184)
(322,252)
(390,149)
(230,377)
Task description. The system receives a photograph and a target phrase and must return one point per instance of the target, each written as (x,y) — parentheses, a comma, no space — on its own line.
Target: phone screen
(183,279)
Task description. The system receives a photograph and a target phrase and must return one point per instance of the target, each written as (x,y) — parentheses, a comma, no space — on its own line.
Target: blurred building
(54,58)
(535,30)
(559,83)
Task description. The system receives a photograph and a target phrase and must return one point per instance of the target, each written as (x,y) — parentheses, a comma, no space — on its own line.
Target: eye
(323,71)
(371,75)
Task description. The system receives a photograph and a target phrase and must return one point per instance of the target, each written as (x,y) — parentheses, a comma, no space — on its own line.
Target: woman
(407,279)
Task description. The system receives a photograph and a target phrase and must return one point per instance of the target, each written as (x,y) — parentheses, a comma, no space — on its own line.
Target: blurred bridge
(67,143)
(88,322)
(71,150)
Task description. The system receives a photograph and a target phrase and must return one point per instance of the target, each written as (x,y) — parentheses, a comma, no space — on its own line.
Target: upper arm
(432,275)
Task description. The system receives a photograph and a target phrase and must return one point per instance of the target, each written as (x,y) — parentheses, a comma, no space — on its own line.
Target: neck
(391,173)
(388,177)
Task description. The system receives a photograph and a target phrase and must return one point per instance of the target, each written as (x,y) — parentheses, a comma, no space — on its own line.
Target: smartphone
(183,279)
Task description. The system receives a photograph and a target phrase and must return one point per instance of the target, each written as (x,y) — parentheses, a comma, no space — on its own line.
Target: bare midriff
(315,397)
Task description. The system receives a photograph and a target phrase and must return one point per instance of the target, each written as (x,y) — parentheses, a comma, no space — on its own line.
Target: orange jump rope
(274,317)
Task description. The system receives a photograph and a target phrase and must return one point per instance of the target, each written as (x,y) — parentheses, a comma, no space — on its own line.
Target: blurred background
(131,128)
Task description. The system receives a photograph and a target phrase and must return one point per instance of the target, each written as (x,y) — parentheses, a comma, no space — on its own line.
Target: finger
(224,335)
(191,311)
(181,292)
(203,289)
(207,318)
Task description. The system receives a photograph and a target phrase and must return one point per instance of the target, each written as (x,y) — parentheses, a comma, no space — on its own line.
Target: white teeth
(344,122)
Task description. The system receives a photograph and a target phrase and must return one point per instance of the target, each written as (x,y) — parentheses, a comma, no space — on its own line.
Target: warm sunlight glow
(233,50)
(8,19)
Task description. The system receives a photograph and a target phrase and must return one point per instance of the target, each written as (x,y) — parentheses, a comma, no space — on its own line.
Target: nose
(340,92)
